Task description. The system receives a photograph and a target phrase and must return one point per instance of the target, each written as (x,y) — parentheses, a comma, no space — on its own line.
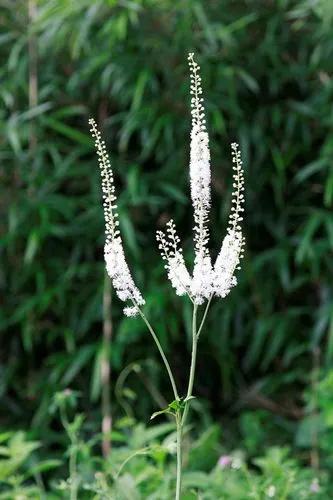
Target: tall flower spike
(174,261)
(200,177)
(206,280)
(231,251)
(114,256)
(200,157)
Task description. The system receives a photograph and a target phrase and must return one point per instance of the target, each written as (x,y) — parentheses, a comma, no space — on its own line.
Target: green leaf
(161,412)
(69,132)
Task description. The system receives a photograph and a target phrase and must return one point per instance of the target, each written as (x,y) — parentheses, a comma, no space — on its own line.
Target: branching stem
(204,316)
(180,416)
(179,455)
(160,348)
(193,363)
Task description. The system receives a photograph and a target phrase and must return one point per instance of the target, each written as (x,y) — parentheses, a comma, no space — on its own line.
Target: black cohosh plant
(207,279)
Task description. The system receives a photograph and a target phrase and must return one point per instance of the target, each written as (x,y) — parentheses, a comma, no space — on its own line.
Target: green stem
(72,455)
(179,455)
(143,451)
(157,342)
(204,316)
(180,420)
(193,363)
(174,388)
(106,368)
(73,474)
(251,484)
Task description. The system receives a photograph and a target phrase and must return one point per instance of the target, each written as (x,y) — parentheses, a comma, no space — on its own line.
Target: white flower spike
(200,178)
(200,156)
(114,256)
(207,280)
(174,260)
(231,252)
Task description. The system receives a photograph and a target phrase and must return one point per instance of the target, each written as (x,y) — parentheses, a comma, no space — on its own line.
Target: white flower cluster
(233,244)
(115,261)
(174,260)
(200,177)
(206,280)
(199,155)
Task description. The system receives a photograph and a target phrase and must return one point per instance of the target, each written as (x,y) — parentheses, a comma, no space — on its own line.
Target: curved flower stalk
(114,256)
(231,252)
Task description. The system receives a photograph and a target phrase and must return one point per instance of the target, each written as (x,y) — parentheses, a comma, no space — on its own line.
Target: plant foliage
(268,73)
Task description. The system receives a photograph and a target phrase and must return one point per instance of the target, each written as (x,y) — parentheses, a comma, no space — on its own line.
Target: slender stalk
(179,455)
(251,484)
(106,402)
(178,414)
(193,363)
(180,420)
(204,316)
(159,347)
(73,475)
(143,451)
(314,454)
(33,69)
(106,369)
(120,382)
(72,453)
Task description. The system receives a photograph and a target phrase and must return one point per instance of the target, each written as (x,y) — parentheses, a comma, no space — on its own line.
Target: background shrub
(267,72)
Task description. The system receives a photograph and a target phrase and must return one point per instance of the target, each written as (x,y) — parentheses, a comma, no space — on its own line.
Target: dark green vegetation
(267,349)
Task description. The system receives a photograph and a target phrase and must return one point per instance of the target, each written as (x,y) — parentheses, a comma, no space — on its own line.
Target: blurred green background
(267,75)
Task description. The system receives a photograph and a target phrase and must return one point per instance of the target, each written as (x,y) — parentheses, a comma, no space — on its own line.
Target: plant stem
(143,451)
(73,473)
(157,342)
(315,372)
(180,420)
(179,455)
(33,69)
(193,363)
(72,453)
(251,484)
(178,415)
(204,316)
(106,369)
